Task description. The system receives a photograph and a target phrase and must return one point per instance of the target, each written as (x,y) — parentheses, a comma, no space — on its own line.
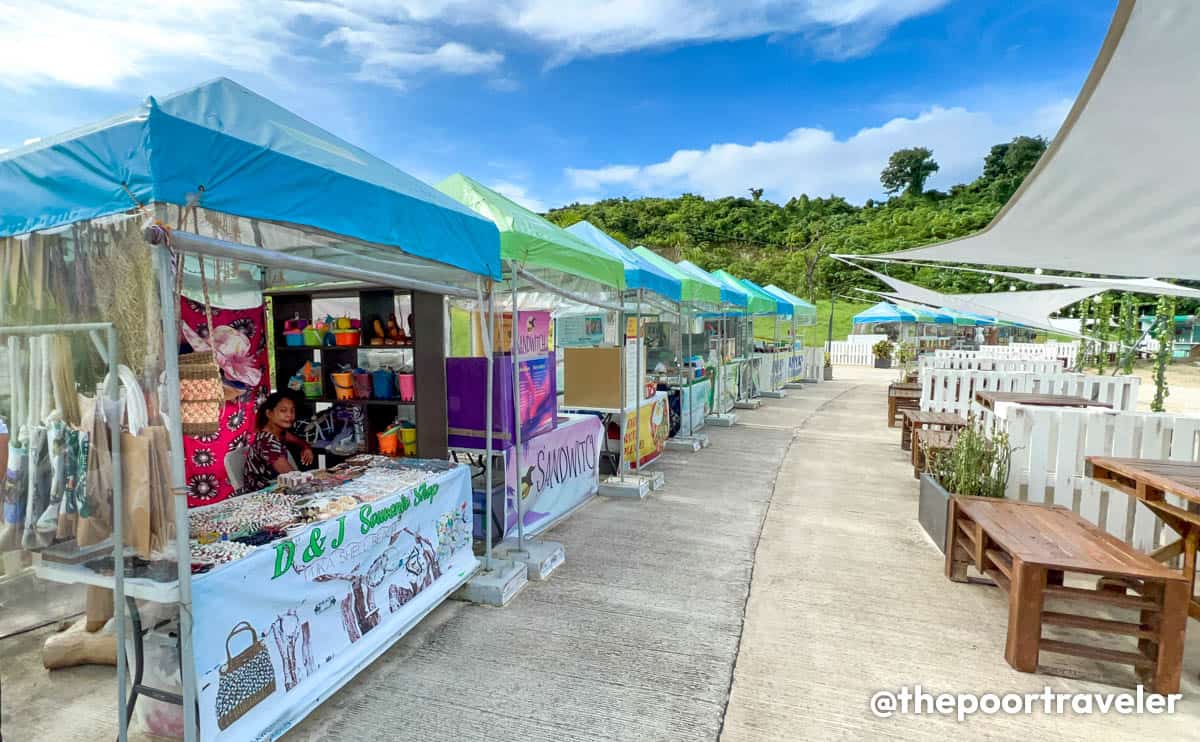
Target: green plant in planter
(828,359)
(882,350)
(907,353)
(976,466)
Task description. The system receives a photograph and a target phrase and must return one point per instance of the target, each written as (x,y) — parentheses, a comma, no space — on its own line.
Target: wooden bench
(1026,549)
(927,441)
(902,396)
(915,420)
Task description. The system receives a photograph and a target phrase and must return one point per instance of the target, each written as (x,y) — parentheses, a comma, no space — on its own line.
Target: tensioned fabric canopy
(1132,285)
(531,240)
(226,149)
(801,309)
(639,273)
(1030,308)
(1116,193)
(733,296)
(883,312)
(695,289)
(755,302)
(940,315)
(782,308)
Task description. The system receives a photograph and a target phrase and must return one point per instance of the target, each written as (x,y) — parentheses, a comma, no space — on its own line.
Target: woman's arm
(306,452)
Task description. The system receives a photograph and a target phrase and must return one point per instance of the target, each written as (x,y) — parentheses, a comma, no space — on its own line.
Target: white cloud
(838,28)
(519,194)
(84,44)
(814,161)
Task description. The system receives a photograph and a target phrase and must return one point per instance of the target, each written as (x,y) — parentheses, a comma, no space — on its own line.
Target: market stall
(138,338)
(773,342)
(730,342)
(803,315)
(679,359)
(549,271)
(759,308)
(641,419)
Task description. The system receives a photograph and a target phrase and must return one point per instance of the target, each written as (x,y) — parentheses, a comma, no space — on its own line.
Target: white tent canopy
(1116,193)
(1029,308)
(1132,285)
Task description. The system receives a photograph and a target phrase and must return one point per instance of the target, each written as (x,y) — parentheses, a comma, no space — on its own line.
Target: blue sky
(554,101)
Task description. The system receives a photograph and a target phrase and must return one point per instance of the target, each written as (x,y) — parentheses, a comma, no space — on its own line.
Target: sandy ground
(1183,386)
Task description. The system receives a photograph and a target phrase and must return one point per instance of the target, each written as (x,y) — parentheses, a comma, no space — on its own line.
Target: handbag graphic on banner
(245,680)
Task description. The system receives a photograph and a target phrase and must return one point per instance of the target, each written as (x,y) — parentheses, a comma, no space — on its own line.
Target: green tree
(907,170)
(755,193)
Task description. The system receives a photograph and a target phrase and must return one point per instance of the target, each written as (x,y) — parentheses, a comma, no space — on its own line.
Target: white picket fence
(992,364)
(952,390)
(851,353)
(1033,351)
(1051,443)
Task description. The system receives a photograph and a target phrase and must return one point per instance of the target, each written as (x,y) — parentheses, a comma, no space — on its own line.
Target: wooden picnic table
(915,420)
(1149,481)
(989,400)
(902,395)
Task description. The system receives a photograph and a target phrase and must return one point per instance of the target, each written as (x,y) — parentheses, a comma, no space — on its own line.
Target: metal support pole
(169,311)
(622,319)
(113,392)
(637,391)
(685,376)
(516,393)
(488,338)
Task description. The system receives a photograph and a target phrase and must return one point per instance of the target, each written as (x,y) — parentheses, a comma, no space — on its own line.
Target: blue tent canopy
(782,307)
(800,308)
(240,154)
(639,272)
(729,295)
(883,312)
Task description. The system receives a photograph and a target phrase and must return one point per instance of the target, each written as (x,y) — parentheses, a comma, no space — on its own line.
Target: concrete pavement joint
(758,541)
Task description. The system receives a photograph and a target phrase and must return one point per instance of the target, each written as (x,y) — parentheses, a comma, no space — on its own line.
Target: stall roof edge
(255,159)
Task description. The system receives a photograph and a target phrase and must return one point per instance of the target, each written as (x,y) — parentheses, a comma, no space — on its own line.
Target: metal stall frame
(172,244)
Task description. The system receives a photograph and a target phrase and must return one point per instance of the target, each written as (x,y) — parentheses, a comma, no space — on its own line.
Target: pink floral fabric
(241,352)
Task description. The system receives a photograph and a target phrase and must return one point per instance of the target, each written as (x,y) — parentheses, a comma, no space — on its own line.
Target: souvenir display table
(303,584)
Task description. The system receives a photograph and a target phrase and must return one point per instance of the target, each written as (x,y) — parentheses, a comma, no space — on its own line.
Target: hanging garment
(241,346)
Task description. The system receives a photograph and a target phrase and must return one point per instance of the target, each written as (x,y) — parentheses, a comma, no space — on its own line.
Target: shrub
(976,465)
(882,350)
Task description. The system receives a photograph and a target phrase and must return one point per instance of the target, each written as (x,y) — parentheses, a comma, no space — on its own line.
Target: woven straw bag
(245,680)
(201,390)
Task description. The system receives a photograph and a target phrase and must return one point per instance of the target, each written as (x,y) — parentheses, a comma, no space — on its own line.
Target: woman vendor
(268,455)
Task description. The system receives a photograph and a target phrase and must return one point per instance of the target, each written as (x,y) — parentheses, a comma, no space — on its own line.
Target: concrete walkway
(849,597)
(777,582)
(633,638)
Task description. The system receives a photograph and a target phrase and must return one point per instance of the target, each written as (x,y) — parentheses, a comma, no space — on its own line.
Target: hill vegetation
(789,244)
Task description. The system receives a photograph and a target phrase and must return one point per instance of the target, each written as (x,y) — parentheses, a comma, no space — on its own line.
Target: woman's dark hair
(268,405)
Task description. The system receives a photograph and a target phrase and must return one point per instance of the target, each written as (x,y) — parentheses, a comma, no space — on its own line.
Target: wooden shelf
(393,402)
(311,348)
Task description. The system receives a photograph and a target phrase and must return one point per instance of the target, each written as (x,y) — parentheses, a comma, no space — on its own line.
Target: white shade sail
(1029,308)
(1132,285)
(1116,193)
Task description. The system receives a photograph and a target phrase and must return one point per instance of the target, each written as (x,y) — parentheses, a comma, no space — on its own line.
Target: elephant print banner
(281,629)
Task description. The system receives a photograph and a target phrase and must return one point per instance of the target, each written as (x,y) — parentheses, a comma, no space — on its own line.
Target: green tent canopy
(804,312)
(532,241)
(695,290)
(756,301)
